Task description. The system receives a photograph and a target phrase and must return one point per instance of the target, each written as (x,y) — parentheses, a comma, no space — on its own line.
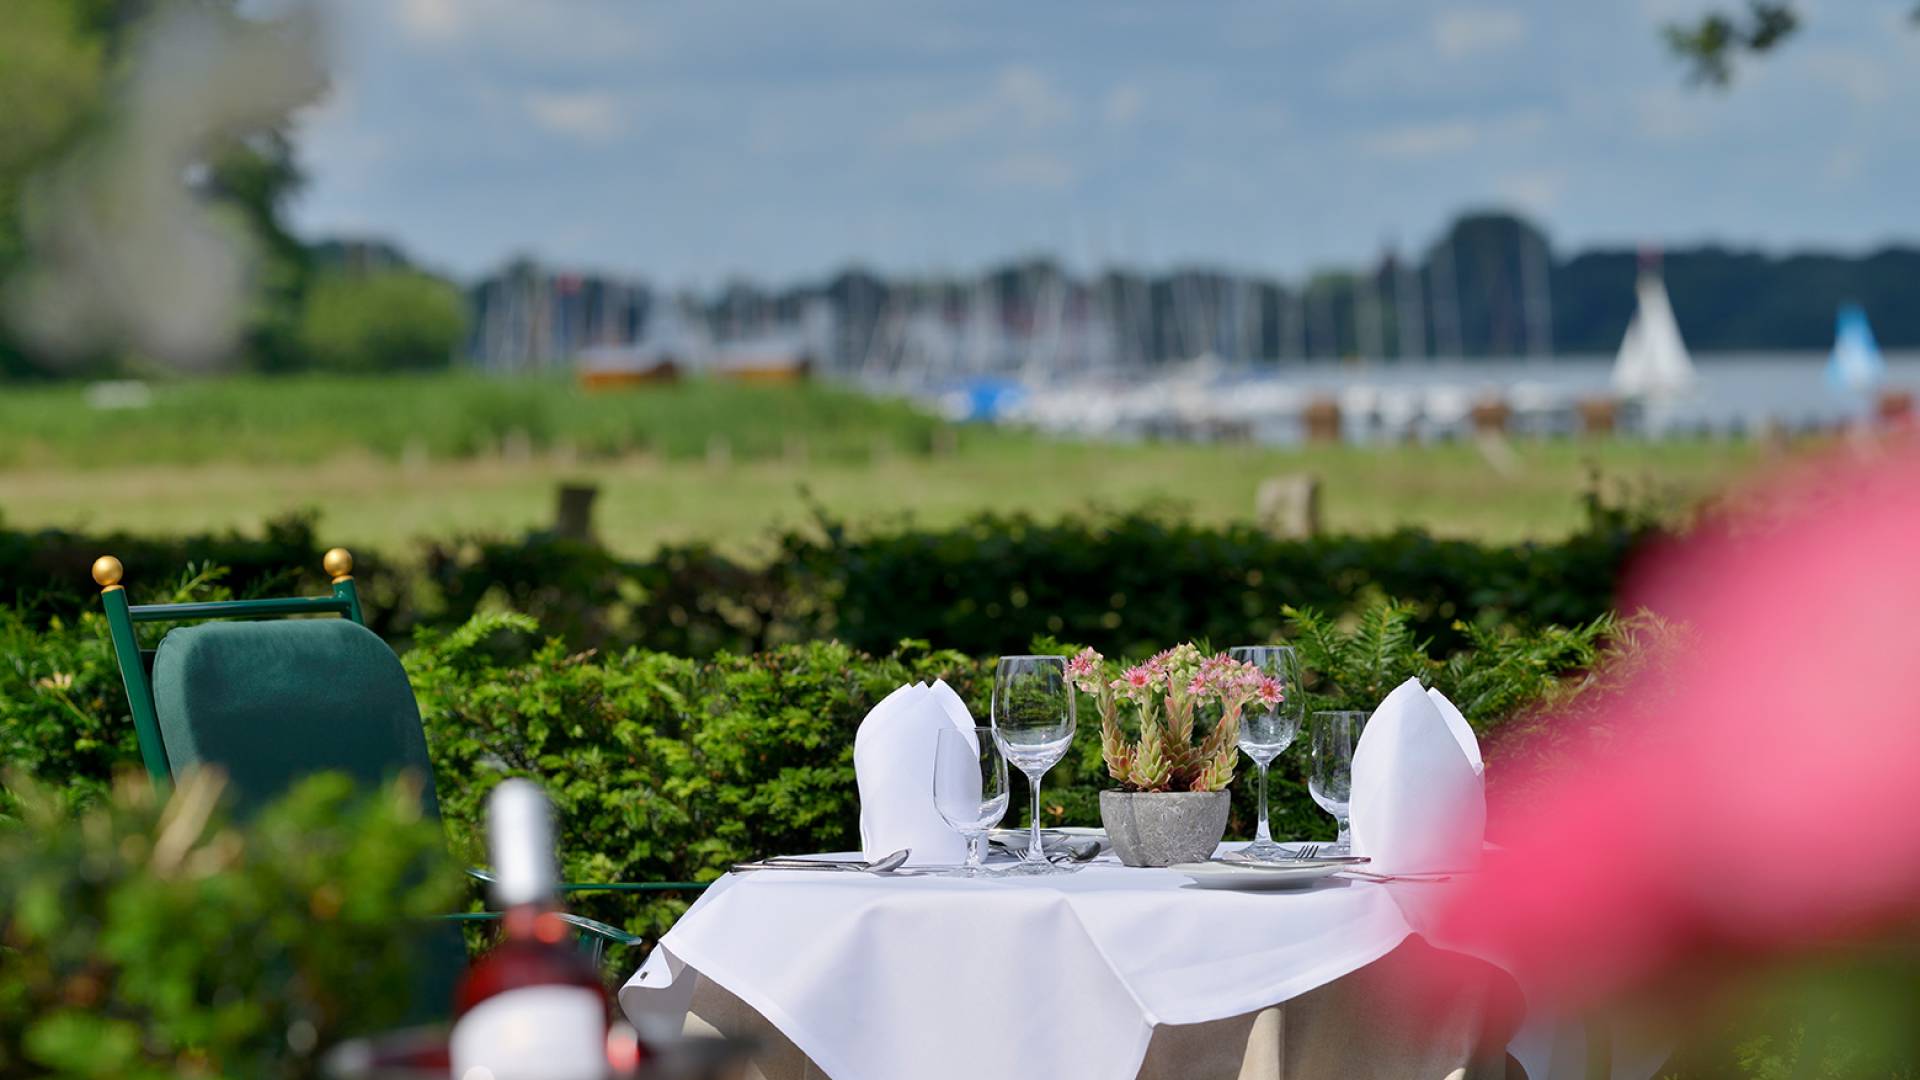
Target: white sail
(1653,360)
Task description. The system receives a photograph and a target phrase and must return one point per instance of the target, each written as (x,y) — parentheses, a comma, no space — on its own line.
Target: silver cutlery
(882,865)
(1368,875)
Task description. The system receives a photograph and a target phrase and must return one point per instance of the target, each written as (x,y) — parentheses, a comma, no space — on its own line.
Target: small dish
(1218,875)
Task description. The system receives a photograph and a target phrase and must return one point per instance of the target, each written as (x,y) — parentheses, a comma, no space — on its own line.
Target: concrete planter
(1160,828)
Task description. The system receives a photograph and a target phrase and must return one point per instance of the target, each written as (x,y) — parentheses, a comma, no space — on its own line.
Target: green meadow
(385,460)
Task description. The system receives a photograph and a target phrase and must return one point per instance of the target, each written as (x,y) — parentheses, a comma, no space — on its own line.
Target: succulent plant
(1164,693)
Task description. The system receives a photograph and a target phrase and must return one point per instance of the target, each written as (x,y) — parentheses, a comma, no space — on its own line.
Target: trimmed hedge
(1124,583)
(670,768)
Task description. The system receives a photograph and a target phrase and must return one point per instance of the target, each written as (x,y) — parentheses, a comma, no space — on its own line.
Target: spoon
(878,866)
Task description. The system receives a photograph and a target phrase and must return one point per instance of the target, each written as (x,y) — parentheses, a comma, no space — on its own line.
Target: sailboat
(1653,360)
(1856,364)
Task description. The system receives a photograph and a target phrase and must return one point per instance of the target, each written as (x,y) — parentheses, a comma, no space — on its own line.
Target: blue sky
(690,142)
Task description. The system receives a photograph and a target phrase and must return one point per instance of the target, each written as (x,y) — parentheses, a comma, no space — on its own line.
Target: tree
(1710,44)
(65,80)
(388,320)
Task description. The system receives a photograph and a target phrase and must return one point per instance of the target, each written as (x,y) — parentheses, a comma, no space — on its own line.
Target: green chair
(276,697)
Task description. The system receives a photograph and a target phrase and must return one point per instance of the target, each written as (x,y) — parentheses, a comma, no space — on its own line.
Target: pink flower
(1138,678)
(1756,797)
(1083,663)
(1198,685)
(1269,691)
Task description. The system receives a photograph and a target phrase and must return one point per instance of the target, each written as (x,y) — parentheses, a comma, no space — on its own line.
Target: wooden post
(1322,419)
(1598,415)
(1289,505)
(1491,415)
(573,517)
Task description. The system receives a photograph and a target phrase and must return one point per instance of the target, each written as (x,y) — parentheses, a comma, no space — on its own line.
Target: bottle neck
(520,839)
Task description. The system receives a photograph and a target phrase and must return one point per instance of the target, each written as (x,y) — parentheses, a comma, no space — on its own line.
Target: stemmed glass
(1266,730)
(1033,722)
(1334,736)
(970,790)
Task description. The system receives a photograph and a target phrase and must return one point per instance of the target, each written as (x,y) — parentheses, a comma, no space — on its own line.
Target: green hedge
(119,926)
(670,768)
(1123,583)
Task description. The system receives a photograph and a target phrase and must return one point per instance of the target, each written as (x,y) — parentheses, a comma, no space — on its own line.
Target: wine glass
(1267,729)
(970,790)
(1033,723)
(1334,736)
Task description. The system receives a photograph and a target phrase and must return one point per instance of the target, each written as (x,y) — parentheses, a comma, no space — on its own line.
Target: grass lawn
(487,455)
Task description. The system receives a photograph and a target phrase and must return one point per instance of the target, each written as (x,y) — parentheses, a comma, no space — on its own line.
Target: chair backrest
(299,660)
(274,700)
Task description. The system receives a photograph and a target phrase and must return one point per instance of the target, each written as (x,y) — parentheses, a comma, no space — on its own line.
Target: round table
(1109,971)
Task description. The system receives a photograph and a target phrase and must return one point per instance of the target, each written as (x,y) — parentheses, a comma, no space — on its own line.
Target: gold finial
(339,563)
(107,572)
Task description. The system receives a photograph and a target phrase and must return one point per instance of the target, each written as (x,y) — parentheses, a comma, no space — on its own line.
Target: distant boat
(1856,364)
(1653,360)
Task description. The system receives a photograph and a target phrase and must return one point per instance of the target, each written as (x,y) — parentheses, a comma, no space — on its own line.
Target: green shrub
(669,768)
(1125,584)
(387,320)
(146,941)
(661,768)
(1122,583)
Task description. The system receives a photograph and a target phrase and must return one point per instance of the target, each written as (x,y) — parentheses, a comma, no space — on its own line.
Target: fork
(1306,851)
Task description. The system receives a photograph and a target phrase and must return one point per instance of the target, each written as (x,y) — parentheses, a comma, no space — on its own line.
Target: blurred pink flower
(1269,691)
(1765,799)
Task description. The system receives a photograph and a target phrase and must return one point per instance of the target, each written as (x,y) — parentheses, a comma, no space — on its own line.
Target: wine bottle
(532,1007)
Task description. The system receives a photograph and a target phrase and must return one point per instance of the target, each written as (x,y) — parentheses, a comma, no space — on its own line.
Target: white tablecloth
(883,978)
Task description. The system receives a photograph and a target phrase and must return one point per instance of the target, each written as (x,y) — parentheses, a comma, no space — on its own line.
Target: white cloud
(1472,31)
(431,20)
(589,116)
(1033,171)
(1537,191)
(1860,77)
(1670,113)
(1123,105)
(1422,140)
(1020,97)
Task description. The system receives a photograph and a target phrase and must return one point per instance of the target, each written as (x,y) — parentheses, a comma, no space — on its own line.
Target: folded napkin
(893,763)
(1418,802)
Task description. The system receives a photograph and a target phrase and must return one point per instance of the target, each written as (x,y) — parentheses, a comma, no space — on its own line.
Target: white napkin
(893,763)
(1462,731)
(1418,802)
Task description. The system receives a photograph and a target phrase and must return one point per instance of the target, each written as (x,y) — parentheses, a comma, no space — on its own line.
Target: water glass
(1268,727)
(1334,735)
(1033,721)
(970,790)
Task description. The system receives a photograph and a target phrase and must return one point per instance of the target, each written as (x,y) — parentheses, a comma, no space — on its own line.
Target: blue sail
(1856,363)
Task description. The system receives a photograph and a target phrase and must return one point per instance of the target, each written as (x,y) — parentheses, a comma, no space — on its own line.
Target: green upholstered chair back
(136,663)
(274,700)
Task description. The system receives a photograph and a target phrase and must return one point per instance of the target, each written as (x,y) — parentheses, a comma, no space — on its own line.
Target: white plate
(1214,875)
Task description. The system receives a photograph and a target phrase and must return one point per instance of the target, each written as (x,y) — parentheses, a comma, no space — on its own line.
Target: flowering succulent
(1165,691)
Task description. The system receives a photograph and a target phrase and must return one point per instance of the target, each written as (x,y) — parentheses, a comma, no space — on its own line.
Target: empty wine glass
(1268,727)
(1334,736)
(970,790)
(1033,722)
